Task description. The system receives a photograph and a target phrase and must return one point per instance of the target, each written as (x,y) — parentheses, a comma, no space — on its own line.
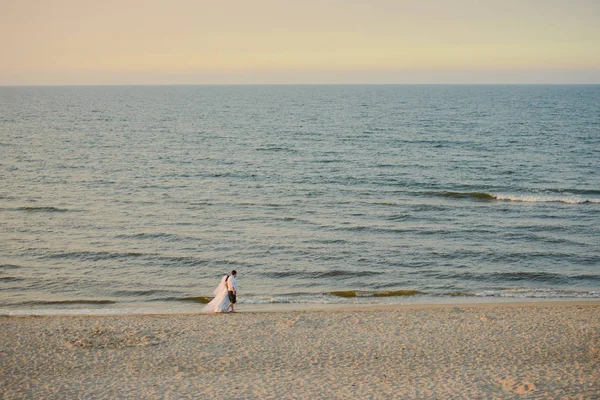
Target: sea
(138,199)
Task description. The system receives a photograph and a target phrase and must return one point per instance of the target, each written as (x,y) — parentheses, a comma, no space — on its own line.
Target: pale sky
(83,42)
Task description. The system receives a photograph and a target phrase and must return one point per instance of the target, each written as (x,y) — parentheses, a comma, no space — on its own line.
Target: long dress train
(221,300)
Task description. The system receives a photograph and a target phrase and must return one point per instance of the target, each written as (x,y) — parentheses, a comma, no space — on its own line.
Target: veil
(221,300)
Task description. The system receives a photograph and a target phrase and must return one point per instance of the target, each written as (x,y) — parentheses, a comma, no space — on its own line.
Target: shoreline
(282,308)
(301,307)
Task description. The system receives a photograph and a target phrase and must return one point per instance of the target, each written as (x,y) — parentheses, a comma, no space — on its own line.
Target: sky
(133,42)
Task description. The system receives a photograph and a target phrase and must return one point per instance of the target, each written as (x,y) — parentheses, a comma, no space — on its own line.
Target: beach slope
(501,351)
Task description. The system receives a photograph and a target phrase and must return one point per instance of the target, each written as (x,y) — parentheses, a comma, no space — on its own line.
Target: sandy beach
(495,351)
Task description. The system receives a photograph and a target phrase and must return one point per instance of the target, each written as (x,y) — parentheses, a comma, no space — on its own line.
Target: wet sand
(503,351)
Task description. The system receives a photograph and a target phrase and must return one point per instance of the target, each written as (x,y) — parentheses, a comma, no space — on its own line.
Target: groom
(232,288)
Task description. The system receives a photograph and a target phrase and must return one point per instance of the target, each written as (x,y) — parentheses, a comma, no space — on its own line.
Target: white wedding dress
(221,300)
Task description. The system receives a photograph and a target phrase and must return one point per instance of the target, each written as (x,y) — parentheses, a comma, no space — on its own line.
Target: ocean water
(121,199)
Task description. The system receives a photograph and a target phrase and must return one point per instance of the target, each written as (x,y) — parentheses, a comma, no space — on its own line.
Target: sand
(509,351)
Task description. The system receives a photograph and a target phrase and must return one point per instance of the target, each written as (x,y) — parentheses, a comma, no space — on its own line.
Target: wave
(592,192)
(459,294)
(95,255)
(528,293)
(67,302)
(333,297)
(139,293)
(282,274)
(141,236)
(429,207)
(542,277)
(9,266)
(326,241)
(196,299)
(41,209)
(376,297)
(364,293)
(276,300)
(547,199)
(367,229)
(10,279)
(320,274)
(398,217)
(276,149)
(344,273)
(469,195)
(202,203)
(564,198)
(546,277)
(499,277)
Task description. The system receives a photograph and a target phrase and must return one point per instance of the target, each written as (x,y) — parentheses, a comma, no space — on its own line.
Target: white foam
(540,294)
(546,199)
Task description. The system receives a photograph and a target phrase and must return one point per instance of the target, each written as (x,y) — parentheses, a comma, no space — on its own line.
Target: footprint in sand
(517,387)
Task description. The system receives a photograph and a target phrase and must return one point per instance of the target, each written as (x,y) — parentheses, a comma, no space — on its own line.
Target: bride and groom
(225,295)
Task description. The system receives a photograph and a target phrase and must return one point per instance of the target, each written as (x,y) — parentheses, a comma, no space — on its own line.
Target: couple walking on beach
(225,295)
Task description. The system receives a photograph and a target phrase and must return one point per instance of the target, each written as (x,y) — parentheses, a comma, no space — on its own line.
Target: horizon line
(309,84)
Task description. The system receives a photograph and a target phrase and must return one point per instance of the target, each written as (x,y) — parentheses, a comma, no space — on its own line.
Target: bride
(221,300)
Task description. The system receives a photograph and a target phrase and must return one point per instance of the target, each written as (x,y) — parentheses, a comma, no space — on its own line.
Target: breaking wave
(361,293)
(564,198)
(527,293)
